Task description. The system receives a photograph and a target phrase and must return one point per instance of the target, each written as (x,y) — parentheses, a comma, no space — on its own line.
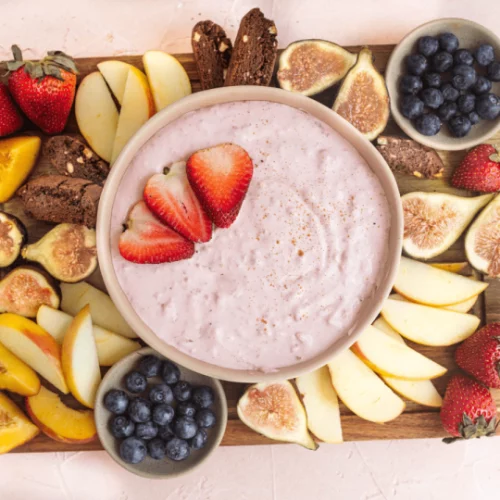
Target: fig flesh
(274,410)
(25,289)
(67,252)
(310,66)
(434,221)
(363,99)
(12,237)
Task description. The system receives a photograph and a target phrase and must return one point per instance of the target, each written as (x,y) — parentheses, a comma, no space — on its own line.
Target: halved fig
(274,410)
(12,237)
(25,289)
(434,221)
(311,66)
(363,99)
(68,252)
(482,242)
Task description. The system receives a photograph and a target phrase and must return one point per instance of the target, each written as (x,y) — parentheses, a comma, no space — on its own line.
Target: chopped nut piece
(80,160)
(223,46)
(70,168)
(196,37)
(245,38)
(88,153)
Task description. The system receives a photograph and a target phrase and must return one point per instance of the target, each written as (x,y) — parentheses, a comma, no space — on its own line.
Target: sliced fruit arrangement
(17,376)
(13,236)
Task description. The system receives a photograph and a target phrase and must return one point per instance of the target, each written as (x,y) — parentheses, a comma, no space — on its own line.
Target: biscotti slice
(254,53)
(55,198)
(212,52)
(73,158)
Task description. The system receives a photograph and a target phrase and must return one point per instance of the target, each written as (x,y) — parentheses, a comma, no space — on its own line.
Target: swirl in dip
(290,276)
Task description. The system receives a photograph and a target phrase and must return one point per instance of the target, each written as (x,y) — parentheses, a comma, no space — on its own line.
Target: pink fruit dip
(289,277)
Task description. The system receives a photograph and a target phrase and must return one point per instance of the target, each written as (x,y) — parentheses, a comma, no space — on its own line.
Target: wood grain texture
(417,421)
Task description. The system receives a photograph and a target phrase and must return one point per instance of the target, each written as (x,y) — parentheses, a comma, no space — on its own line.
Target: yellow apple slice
(322,405)
(381,324)
(79,359)
(362,391)
(115,73)
(421,392)
(451,267)
(96,114)
(16,376)
(428,325)
(462,307)
(167,77)
(33,345)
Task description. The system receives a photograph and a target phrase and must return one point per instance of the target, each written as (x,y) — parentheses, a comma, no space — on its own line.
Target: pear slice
(274,410)
(434,221)
(363,99)
(452,267)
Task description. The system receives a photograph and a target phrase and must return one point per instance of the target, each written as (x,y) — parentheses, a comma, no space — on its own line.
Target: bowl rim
(403,123)
(250,93)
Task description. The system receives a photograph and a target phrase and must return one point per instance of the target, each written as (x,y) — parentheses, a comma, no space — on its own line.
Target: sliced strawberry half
(220,177)
(147,241)
(171,198)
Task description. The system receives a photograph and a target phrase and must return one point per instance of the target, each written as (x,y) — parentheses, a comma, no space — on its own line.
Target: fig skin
(22,234)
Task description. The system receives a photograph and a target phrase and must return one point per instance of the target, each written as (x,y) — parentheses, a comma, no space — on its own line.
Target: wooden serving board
(417,421)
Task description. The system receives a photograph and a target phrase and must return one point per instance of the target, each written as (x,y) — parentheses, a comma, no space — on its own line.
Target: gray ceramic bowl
(158,469)
(470,35)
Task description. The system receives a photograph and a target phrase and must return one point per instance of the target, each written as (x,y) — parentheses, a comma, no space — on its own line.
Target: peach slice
(58,421)
(16,376)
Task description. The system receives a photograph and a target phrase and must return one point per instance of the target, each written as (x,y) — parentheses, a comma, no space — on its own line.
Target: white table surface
(403,470)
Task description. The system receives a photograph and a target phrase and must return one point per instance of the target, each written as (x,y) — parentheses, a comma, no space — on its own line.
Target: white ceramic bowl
(229,94)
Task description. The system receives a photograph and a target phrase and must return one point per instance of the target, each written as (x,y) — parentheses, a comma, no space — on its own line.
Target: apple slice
(451,267)
(33,345)
(322,405)
(362,391)
(96,114)
(58,421)
(79,359)
(167,77)
(462,307)
(15,428)
(16,376)
(426,284)
(381,324)
(421,392)
(115,73)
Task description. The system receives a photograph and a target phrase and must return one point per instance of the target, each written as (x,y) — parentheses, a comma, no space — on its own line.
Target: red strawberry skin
(171,199)
(465,396)
(220,177)
(479,170)
(479,355)
(147,241)
(10,118)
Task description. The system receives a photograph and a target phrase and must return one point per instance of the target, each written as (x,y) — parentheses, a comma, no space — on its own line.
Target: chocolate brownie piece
(254,53)
(212,52)
(56,198)
(73,158)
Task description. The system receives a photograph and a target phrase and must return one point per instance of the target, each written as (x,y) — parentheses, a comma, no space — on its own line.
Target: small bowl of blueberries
(158,419)
(444,84)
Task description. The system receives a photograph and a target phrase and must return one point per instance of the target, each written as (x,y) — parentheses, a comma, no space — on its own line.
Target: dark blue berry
(186,409)
(178,449)
(185,427)
(411,106)
(433,98)
(485,54)
(161,393)
(463,56)
(427,45)
(447,110)
(171,373)
(133,450)
(162,414)
(428,124)
(450,93)
(136,382)
(165,432)
(146,430)
(448,42)
(199,440)
(488,106)
(482,85)
(139,410)
(464,77)
(473,117)
(410,84)
(494,71)
(442,61)
(150,366)
(432,80)
(206,418)
(459,126)
(121,427)
(116,401)
(466,103)
(182,391)
(157,449)
(416,64)
(203,396)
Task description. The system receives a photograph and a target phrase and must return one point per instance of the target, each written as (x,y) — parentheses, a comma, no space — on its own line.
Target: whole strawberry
(479,170)
(468,409)
(44,89)
(10,118)
(479,355)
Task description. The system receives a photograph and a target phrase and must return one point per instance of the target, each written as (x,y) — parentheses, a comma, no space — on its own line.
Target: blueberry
(121,427)
(463,56)
(206,418)
(428,124)
(161,393)
(463,77)
(482,85)
(410,84)
(171,373)
(203,396)
(473,117)
(146,430)
(494,71)
(466,103)
(199,440)
(416,64)
(485,54)
(139,410)
(116,401)
(136,382)
(182,391)
(433,98)
(448,42)
(450,93)
(186,409)
(427,45)
(157,449)
(165,432)
(133,450)
(442,61)
(459,126)
(488,106)
(178,449)
(447,110)
(411,106)
(185,427)
(162,414)
(150,366)
(432,80)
